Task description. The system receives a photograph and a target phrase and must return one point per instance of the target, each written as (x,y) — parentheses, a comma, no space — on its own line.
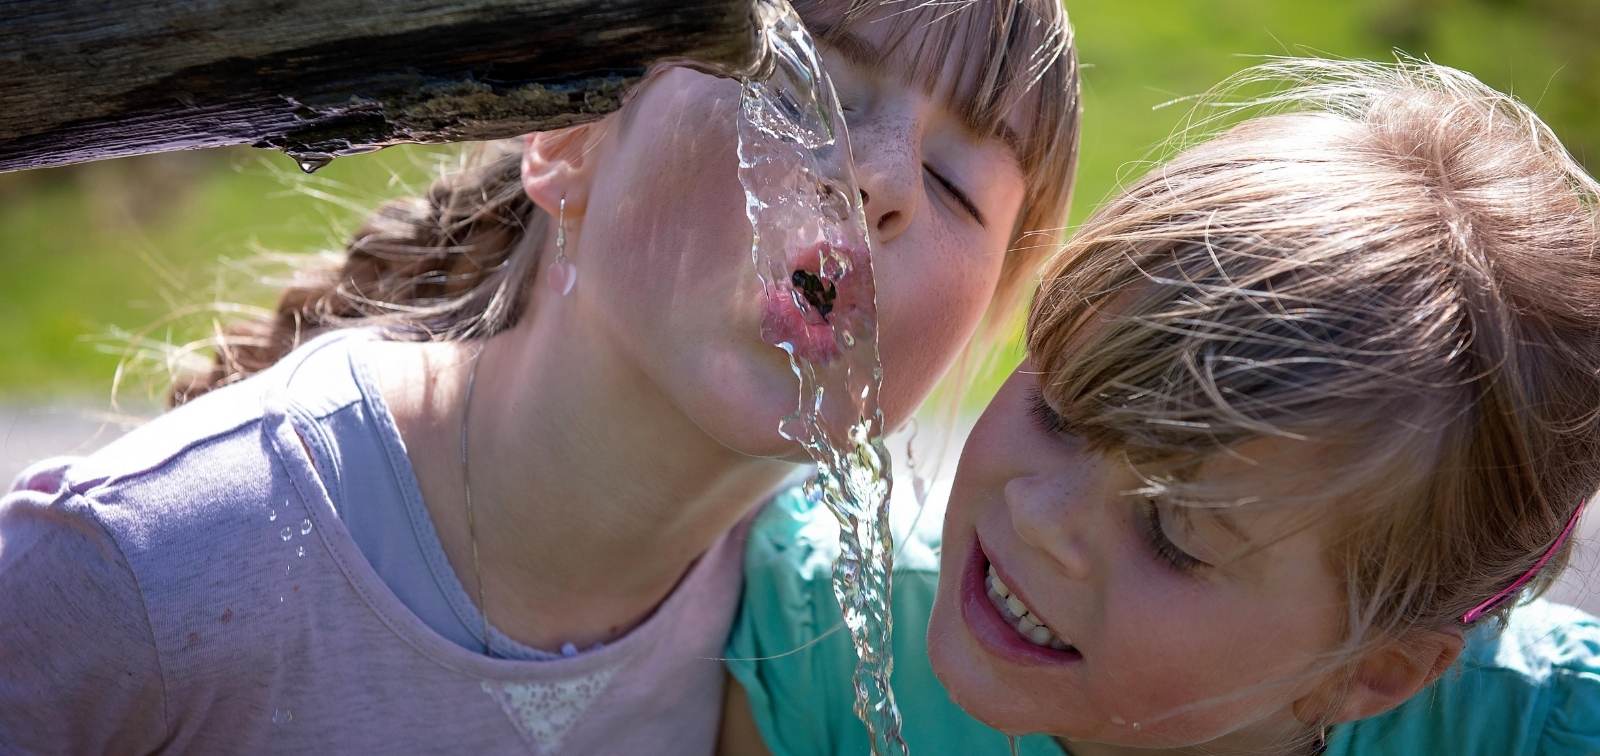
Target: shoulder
(79,669)
(187,503)
(1532,687)
(189,471)
(159,483)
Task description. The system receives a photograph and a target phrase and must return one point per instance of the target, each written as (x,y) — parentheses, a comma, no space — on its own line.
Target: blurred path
(32,433)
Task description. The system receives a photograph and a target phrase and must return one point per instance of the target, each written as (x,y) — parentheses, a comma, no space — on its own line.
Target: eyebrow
(868,57)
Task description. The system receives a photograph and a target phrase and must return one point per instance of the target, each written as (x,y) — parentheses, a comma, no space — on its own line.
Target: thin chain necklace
(466,487)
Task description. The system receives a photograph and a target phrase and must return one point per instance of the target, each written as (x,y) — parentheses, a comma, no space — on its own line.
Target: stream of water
(811,251)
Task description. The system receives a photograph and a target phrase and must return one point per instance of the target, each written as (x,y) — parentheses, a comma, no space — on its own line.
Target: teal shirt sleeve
(1532,689)
(791,653)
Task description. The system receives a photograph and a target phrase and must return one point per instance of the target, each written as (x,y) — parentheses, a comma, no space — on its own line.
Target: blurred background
(104,263)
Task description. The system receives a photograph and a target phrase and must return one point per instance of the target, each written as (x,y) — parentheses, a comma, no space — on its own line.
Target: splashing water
(812,256)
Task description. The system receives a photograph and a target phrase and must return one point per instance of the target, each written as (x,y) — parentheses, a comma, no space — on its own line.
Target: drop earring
(562,273)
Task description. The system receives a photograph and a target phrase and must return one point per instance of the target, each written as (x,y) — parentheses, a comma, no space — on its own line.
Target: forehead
(976,58)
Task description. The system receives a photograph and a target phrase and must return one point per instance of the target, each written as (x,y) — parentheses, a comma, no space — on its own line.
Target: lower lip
(783,323)
(992,631)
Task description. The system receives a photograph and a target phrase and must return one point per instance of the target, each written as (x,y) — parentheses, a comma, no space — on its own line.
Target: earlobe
(1384,677)
(556,165)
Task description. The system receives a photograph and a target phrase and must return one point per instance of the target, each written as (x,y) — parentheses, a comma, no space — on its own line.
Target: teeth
(1027,624)
(1016,606)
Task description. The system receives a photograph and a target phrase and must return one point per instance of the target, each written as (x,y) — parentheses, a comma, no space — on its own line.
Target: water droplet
(792,428)
(801,194)
(301,551)
(1135,726)
(834,265)
(287,533)
(311,162)
(282,716)
(305,526)
(272,515)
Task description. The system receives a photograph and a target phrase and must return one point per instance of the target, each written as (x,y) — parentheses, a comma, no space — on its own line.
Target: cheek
(932,294)
(669,157)
(1198,667)
(665,219)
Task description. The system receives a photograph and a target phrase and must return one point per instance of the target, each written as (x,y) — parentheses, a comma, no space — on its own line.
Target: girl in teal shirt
(1305,411)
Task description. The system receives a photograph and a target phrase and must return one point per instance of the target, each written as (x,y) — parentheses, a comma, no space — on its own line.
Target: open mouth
(821,305)
(1002,622)
(819,293)
(1022,618)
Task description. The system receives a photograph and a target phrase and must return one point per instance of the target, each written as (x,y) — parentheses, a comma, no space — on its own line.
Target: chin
(971,682)
(750,428)
(965,679)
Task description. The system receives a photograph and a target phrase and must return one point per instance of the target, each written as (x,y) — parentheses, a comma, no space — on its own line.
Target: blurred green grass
(94,251)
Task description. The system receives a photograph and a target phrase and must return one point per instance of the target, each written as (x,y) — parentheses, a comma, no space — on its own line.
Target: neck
(592,494)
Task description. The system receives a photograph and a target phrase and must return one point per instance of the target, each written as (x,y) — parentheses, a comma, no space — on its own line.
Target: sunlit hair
(1395,264)
(448,265)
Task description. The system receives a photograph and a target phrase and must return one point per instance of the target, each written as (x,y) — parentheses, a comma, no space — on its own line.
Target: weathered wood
(92,79)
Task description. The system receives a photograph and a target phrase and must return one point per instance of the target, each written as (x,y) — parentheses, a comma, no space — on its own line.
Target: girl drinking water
(480,486)
(1306,412)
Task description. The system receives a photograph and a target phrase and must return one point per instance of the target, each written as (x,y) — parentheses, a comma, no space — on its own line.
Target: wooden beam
(94,79)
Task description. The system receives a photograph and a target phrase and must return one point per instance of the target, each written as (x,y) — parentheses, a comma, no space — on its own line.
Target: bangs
(1223,299)
(1010,52)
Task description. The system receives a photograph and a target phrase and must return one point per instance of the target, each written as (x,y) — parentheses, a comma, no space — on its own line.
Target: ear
(1384,677)
(557,164)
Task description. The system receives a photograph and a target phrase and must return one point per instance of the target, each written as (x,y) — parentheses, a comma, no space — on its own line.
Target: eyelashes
(1045,416)
(1161,545)
(955,193)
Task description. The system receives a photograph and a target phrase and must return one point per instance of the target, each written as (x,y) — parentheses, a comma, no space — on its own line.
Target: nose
(889,171)
(1052,517)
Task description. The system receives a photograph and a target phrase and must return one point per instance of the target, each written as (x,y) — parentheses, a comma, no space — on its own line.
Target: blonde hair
(448,265)
(1395,263)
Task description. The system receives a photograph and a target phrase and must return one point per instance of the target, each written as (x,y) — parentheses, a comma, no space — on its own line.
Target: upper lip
(1016,590)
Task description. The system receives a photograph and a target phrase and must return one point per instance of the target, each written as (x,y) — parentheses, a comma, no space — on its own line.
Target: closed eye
(956,194)
(1045,415)
(1162,546)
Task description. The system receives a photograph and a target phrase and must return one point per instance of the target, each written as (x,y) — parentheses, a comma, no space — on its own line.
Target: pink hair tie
(1478,611)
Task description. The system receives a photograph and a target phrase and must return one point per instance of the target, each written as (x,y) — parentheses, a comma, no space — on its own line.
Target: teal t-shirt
(1532,689)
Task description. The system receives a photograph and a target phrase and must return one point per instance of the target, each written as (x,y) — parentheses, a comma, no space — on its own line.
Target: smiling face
(1164,625)
(663,247)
